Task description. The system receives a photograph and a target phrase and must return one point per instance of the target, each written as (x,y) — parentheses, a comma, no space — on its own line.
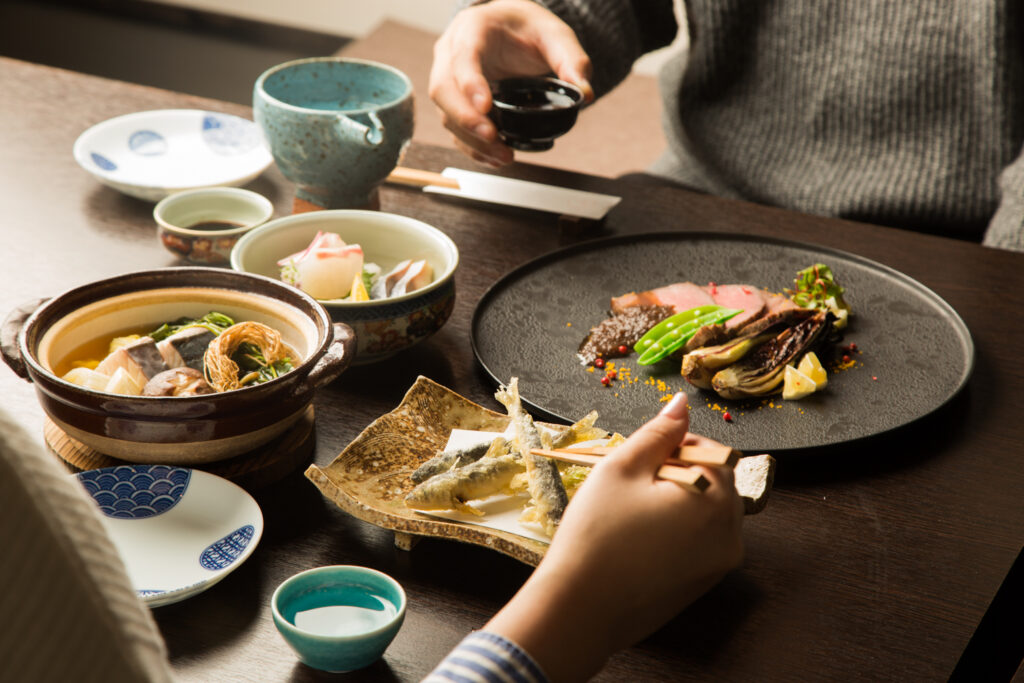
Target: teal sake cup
(339,618)
(336,127)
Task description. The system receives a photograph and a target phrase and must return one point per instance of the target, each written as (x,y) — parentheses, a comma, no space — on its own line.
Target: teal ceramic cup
(339,618)
(336,127)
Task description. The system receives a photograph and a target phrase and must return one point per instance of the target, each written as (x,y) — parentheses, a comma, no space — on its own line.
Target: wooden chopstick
(419,178)
(686,477)
(719,456)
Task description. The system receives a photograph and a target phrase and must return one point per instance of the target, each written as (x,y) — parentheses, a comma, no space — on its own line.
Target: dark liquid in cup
(536,99)
(531,112)
(211,226)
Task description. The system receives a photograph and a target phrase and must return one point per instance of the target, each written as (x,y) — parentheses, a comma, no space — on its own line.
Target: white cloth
(69,611)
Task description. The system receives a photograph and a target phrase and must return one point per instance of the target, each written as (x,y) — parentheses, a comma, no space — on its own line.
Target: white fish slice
(121,360)
(418,275)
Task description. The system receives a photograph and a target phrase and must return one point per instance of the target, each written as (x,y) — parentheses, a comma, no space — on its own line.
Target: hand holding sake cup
(336,127)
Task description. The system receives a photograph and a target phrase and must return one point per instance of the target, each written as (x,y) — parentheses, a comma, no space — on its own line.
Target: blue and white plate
(151,154)
(178,530)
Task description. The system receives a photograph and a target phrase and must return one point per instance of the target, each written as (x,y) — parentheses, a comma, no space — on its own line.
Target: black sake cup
(530,112)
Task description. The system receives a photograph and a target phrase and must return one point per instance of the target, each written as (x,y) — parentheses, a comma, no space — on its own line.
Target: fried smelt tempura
(451,490)
(547,494)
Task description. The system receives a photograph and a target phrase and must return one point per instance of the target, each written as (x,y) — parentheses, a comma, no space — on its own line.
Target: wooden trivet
(253,470)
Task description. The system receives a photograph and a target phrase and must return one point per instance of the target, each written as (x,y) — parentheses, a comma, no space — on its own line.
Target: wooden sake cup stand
(254,470)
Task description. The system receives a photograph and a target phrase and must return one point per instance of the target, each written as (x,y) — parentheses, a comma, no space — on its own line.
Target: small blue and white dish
(178,530)
(151,154)
(339,618)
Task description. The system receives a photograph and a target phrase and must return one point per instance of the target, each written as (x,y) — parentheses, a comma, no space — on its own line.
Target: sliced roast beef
(778,311)
(681,296)
(750,300)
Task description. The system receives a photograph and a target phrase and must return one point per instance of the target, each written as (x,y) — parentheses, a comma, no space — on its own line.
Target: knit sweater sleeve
(614,33)
(1006,229)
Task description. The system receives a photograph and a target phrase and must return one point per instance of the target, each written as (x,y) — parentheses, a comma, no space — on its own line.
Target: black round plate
(914,351)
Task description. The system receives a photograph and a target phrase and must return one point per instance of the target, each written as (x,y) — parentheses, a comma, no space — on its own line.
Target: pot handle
(337,359)
(9,331)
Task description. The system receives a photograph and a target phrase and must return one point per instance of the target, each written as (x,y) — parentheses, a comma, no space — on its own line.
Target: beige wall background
(356,18)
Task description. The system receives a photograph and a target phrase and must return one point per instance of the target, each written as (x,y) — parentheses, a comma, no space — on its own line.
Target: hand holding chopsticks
(676,467)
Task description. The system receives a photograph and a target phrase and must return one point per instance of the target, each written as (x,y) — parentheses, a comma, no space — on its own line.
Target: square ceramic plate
(178,530)
(370,478)
(151,154)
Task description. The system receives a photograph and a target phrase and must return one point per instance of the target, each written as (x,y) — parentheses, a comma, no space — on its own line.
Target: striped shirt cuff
(484,657)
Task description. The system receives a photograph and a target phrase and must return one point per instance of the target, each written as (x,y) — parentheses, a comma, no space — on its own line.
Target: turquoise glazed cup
(336,127)
(346,615)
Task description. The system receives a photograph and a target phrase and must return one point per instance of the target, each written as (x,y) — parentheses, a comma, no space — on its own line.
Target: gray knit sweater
(906,114)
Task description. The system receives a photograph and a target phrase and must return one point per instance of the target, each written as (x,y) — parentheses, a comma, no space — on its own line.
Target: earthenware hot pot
(177,430)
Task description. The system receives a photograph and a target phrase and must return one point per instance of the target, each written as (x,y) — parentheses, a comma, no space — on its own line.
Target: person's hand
(495,40)
(631,552)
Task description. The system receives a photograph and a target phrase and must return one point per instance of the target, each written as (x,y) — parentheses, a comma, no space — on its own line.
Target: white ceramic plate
(178,530)
(151,154)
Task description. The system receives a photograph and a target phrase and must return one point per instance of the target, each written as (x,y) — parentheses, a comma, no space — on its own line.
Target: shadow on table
(379,672)
(898,449)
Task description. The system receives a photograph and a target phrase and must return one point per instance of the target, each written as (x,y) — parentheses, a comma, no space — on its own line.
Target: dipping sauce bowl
(530,112)
(339,618)
(202,226)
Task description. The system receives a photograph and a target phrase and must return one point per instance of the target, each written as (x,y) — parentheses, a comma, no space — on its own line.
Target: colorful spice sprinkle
(727,417)
(605,381)
(611,374)
(874,378)
(623,349)
(599,362)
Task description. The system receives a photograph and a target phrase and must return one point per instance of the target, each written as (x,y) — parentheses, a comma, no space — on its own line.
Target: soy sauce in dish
(212,226)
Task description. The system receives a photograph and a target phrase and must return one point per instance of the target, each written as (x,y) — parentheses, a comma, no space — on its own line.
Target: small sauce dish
(530,112)
(202,226)
(339,618)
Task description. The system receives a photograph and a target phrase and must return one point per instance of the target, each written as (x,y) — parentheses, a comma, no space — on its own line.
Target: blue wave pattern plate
(178,531)
(151,154)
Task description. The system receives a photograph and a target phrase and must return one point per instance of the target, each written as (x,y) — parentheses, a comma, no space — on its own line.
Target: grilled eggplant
(700,365)
(761,371)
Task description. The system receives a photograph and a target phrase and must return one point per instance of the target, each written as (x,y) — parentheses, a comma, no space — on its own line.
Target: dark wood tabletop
(873,561)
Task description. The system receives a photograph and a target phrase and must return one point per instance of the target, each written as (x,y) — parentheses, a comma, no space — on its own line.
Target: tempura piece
(583,430)
(548,497)
(221,371)
(449,460)
(451,490)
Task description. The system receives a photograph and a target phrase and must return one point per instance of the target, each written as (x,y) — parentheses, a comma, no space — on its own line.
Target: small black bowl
(530,112)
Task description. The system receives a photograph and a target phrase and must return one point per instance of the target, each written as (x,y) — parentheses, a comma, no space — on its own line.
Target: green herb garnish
(213,321)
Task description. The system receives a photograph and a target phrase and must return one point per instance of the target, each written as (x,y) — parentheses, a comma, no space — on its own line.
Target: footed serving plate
(151,154)
(370,478)
(178,531)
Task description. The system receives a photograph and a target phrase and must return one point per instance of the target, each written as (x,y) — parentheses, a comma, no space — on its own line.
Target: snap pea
(670,323)
(677,338)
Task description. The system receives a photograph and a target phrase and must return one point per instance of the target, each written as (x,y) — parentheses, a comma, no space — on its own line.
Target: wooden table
(872,562)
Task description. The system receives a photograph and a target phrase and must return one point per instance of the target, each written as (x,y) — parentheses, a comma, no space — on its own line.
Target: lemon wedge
(358,292)
(796,384)
(811,366)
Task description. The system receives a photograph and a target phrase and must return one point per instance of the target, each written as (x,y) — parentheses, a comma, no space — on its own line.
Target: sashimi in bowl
(390,277)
